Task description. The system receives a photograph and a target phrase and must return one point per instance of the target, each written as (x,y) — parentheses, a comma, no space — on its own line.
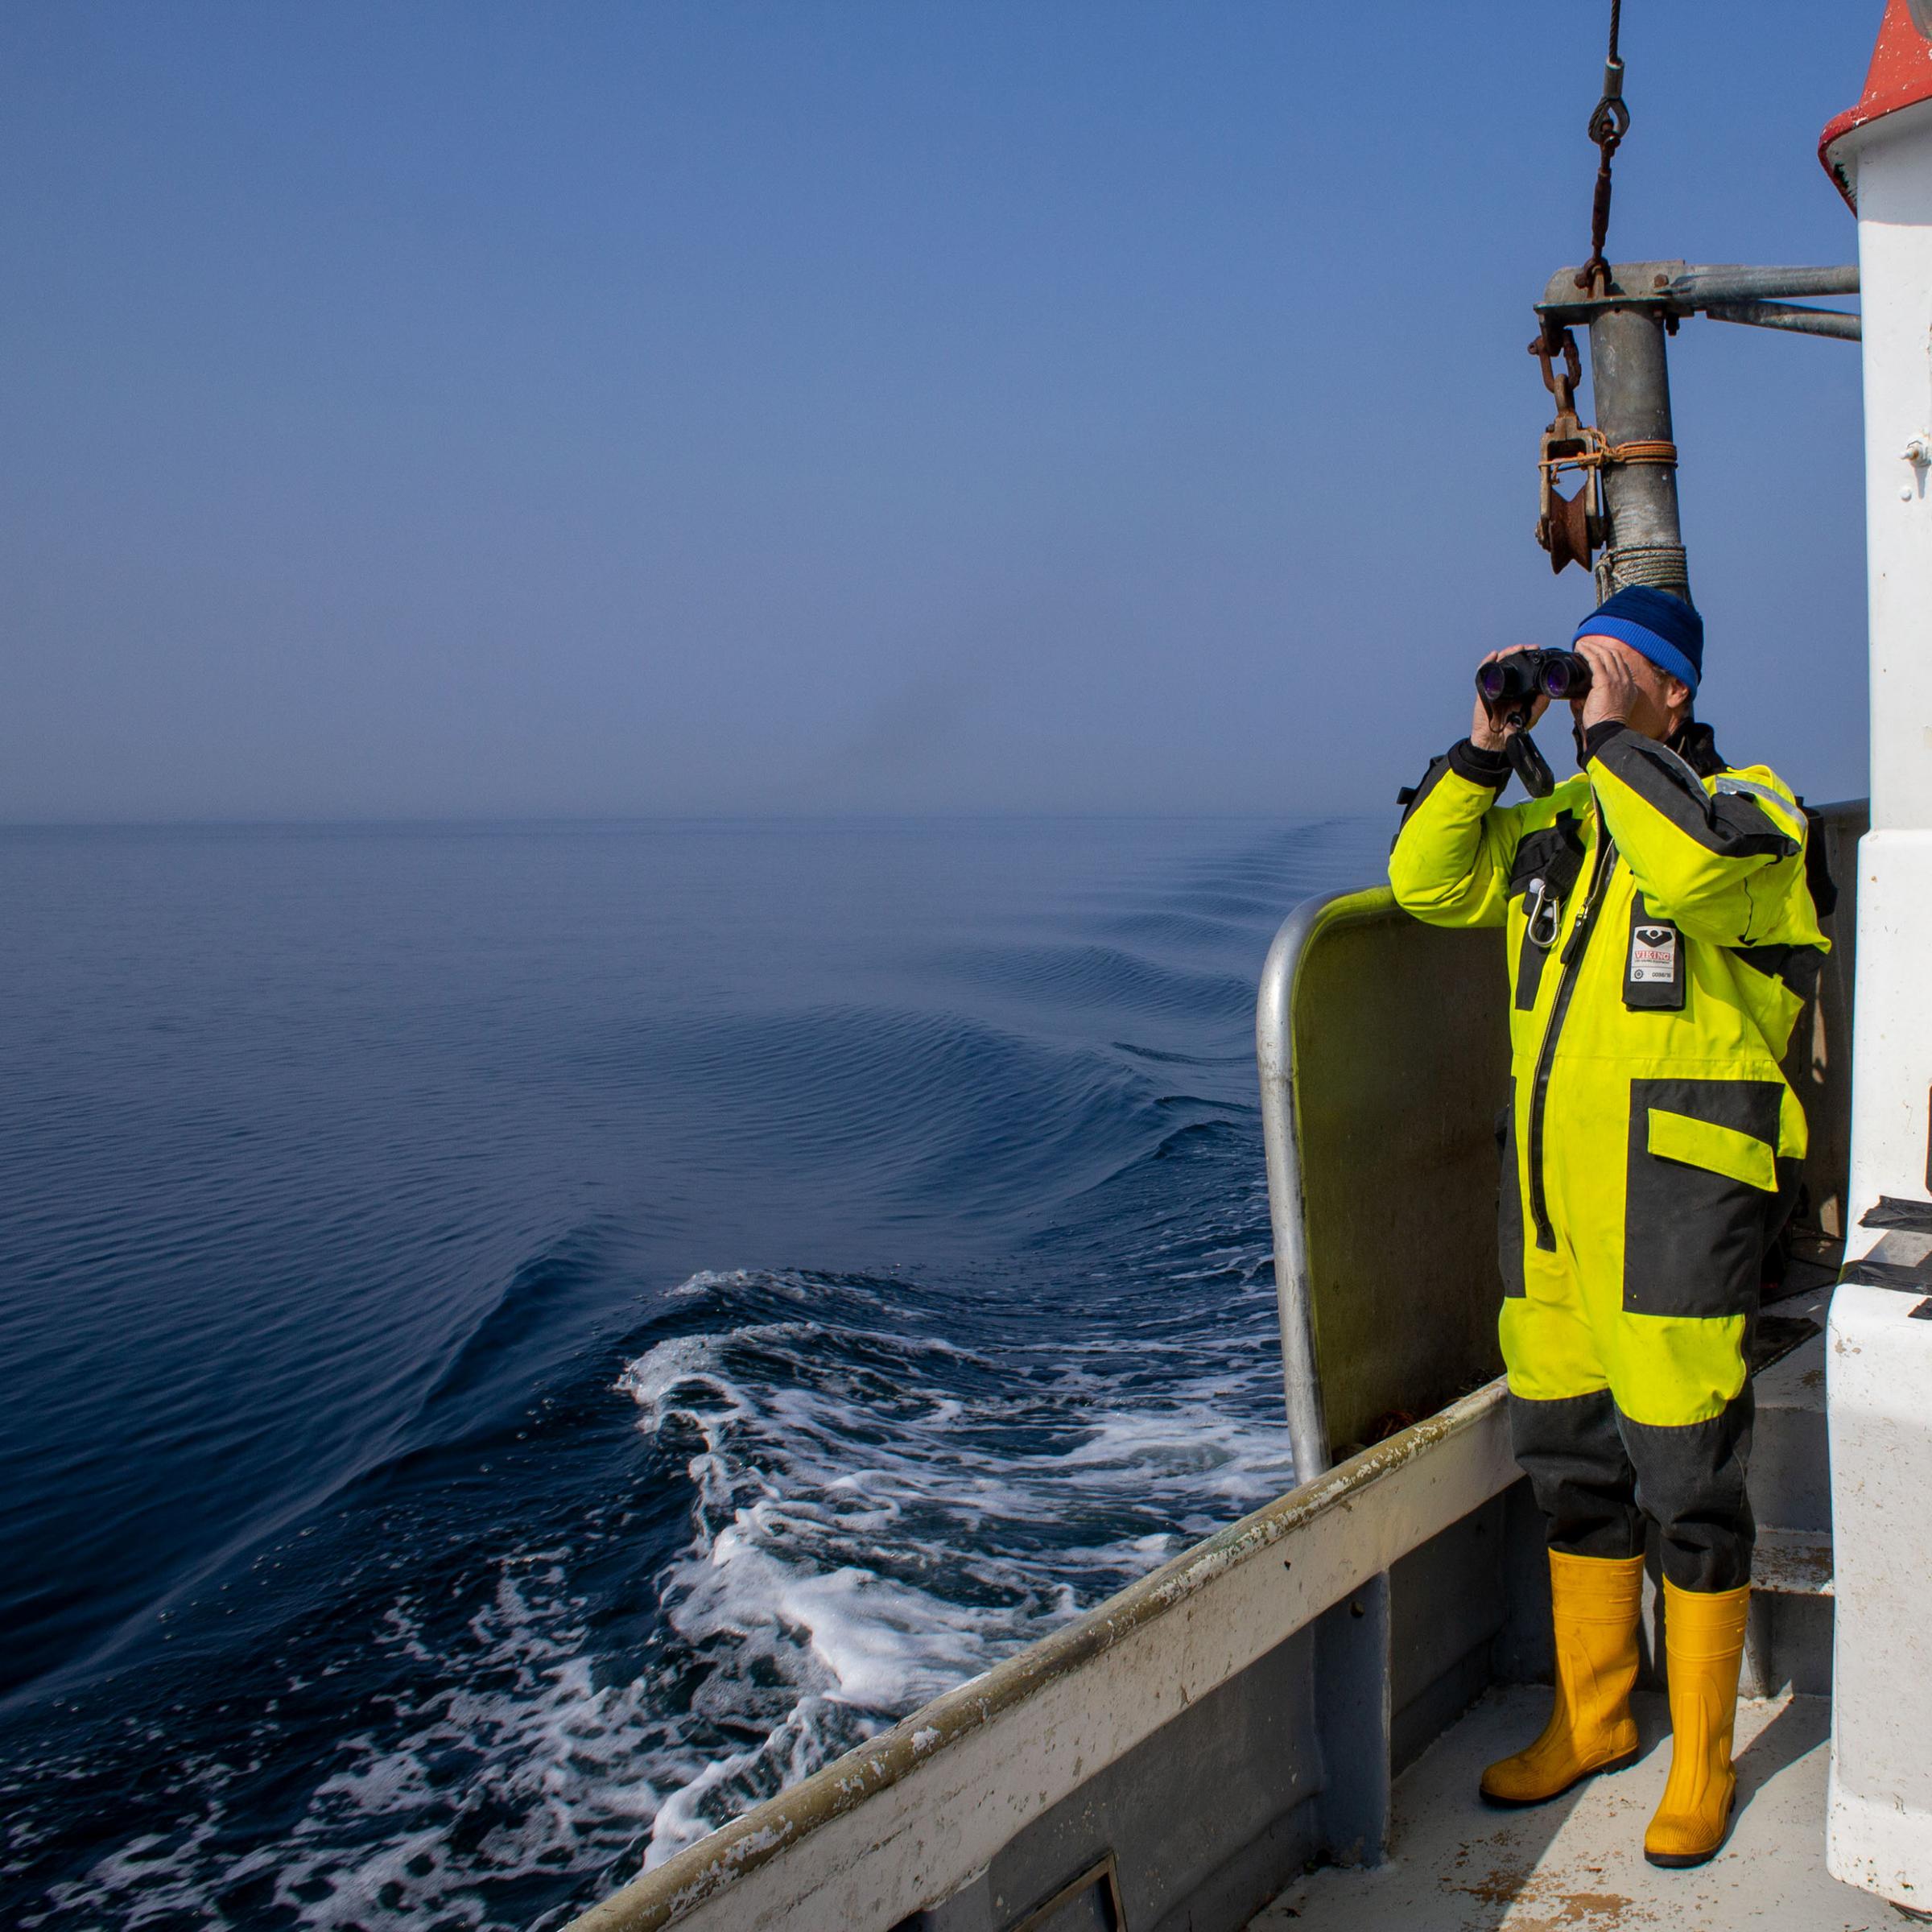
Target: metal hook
(1544,907)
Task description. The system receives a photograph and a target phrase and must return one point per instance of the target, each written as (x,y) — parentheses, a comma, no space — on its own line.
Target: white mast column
(1880,1362)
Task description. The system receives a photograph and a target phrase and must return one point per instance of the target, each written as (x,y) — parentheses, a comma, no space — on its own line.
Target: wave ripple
(878,1514)
(551,1336)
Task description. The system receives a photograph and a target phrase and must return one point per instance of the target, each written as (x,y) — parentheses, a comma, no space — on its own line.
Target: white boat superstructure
(1284,1726)
(1881,1355)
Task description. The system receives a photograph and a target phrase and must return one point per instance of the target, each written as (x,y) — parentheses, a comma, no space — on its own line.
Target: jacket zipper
(1572,958)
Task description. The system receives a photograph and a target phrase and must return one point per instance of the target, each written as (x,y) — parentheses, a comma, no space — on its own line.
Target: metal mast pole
(1630,382)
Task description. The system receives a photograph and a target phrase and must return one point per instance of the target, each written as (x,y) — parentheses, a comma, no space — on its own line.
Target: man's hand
(1614,691)
(1485,734)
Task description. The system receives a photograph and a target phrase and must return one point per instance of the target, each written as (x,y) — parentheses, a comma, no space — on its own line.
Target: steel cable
(1609,122)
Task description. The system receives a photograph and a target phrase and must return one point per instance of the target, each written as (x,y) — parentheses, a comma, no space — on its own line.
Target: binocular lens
(1514,676)
(1565,675)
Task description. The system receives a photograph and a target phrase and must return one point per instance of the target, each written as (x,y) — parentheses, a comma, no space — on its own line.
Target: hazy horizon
(485,821)
(476,413)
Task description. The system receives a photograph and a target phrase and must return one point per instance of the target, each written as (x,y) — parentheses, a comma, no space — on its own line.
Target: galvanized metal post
(1630,383)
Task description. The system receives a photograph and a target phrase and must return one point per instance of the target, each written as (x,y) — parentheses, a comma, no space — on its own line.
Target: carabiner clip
(1545,915)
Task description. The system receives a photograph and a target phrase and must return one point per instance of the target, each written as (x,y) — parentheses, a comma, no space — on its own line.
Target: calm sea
(517,1342)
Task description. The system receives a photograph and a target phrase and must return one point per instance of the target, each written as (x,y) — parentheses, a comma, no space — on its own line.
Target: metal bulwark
(1383,1050)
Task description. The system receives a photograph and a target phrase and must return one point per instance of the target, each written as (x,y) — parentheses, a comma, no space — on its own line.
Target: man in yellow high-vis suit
(1660,937)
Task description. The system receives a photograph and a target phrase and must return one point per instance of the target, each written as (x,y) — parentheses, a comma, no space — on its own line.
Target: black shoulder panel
(1797,966)
(1733,825)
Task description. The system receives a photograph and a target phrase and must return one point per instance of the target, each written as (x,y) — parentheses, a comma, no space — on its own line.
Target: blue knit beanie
(1664,628)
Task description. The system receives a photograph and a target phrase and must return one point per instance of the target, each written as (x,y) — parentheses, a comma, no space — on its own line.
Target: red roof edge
(1900,76)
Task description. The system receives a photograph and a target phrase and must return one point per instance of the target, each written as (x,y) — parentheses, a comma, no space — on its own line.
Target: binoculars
(1518,677)
(1510,684)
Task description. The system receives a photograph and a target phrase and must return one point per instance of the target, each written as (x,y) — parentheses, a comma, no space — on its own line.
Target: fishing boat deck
(1455,1865)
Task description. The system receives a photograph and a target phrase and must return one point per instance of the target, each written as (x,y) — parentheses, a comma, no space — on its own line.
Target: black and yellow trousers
(1627,1339)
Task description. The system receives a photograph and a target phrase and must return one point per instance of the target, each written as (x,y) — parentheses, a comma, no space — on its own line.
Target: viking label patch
(1652,954)
(1653,981)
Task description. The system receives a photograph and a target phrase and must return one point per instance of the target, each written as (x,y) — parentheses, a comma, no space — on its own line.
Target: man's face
(1661,700)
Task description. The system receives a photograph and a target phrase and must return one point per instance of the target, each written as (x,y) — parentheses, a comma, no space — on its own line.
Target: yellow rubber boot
(1703,1644)
(1595,1602)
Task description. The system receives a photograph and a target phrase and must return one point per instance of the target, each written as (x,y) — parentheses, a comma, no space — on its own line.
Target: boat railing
(1383,1046)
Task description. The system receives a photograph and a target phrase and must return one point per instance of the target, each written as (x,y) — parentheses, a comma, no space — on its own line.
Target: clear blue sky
(823,404)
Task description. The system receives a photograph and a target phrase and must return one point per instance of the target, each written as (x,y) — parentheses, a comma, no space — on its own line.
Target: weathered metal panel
(1384,1050)
(1250,1743)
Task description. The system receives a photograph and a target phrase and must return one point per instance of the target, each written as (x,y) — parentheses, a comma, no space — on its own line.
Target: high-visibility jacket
(1662,937)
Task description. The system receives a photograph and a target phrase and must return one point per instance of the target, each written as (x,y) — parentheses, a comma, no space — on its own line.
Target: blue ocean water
(517,1342)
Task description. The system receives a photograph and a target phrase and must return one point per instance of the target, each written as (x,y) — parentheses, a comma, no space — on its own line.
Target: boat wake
(878,1513)
(630,1558)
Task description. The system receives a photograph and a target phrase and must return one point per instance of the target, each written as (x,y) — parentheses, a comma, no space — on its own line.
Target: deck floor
(1578,1862)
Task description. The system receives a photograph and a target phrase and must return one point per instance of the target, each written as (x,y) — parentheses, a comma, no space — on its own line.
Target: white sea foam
(562,1763)
(861,1541)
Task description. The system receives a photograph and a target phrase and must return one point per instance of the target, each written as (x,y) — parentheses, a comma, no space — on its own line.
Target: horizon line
(566,820)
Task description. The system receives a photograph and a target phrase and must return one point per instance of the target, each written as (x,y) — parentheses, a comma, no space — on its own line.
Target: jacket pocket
(1509,1200)
(1701,1189)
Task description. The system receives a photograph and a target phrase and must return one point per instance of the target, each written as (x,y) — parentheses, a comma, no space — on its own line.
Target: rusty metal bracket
(1572,529)
(1569,528)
